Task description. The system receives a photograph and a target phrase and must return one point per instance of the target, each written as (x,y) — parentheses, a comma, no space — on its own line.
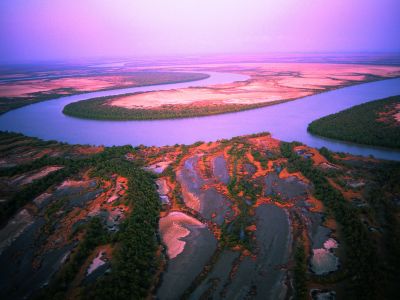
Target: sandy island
(269,82)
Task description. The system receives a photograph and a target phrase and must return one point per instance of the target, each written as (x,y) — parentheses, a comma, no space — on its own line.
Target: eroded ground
(42,236)
(246,218)
(260,211)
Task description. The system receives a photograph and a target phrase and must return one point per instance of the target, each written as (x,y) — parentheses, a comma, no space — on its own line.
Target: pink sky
(59,29)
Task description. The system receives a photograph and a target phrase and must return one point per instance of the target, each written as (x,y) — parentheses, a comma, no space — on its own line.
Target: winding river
(287,121)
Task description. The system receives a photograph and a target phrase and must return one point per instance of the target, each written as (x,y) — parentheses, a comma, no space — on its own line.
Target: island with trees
(375,123)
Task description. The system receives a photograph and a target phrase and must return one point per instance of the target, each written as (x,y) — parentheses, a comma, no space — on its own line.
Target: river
(287,121)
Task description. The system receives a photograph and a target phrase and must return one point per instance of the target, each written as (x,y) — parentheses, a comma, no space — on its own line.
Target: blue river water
(287,121)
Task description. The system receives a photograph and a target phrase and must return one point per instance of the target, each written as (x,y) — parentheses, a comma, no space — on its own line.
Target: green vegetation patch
(360,124)
(98,109)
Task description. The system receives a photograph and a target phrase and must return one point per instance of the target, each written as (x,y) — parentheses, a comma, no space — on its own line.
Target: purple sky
(70,29)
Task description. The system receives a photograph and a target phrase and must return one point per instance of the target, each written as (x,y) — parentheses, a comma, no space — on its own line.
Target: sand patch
(14,228)
(159,167)
(397,115)
(29,178)
(173,228)
(102,257)
(323,260)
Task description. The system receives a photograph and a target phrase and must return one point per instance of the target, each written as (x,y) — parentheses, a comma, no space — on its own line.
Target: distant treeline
(360,124)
